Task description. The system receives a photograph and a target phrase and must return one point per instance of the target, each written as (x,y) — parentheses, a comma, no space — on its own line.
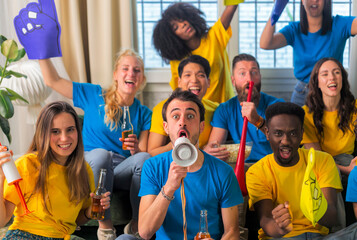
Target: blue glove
(38,30)
(278,8)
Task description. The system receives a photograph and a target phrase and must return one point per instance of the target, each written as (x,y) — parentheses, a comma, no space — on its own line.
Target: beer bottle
(203,233)
(126,127)
(97,211)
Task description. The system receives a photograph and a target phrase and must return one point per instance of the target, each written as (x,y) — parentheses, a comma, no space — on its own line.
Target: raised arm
(249,110)
(271,40)
(158,144)
(54,81)
(230,223)
(276,222)
(354,27)
(153,208)
(227,15)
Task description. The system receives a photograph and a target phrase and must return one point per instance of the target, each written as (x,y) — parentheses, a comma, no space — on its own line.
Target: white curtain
(353,57)
(92,33)
(21,130)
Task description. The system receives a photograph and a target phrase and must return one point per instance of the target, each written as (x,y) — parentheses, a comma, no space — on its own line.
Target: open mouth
(285,152)
(64,146)
(182,133)
(129,82)
(195,90)
(332,85)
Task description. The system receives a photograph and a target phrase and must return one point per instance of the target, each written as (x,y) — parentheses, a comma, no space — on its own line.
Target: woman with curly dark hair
(182,31)
(330,113)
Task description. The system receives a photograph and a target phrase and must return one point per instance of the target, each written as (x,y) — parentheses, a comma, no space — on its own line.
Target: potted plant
(11,52)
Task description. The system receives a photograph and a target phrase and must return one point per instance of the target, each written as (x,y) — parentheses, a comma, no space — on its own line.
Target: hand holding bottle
(4,158)
(100,198)
(104,201)
(129,139)
(131,143)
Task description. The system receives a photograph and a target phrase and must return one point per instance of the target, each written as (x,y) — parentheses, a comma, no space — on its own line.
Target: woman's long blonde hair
(77,175)
(113,111)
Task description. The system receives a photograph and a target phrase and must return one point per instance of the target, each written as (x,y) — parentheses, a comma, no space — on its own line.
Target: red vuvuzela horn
(239,169)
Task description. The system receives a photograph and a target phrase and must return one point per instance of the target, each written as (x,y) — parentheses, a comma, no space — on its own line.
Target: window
(253,15)
(150,11)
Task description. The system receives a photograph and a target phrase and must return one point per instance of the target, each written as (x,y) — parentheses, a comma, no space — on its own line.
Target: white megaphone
(184,153)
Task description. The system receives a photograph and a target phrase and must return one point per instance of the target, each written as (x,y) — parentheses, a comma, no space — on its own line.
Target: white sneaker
(106,234)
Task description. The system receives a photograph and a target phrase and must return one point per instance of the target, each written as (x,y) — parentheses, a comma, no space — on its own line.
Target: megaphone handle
(22,199)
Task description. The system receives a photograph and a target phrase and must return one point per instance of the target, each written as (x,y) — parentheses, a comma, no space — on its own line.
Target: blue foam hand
(38,30)
(278,8)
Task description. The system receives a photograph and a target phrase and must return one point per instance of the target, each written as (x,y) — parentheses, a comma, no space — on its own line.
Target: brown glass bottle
(203,233)
(97,211)
(126,127)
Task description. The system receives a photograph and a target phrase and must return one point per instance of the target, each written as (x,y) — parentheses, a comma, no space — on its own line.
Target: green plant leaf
(20,54)
(2,39)
(14,95)
(9,49)
(6,107)
(5,127)
(15,74)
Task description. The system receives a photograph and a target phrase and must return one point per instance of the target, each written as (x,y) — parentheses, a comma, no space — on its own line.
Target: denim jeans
(299,94)
(348,233)
(122,173)
(304,236)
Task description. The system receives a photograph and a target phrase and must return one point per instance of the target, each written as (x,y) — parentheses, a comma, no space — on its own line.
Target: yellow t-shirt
(64,213)
(266,179)
(157,121)
(213,48)
(334,141)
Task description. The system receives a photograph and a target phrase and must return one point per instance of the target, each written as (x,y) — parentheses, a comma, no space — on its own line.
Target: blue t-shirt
(96,134)
(212,187)
(351,192)
(308,49)
(228,116)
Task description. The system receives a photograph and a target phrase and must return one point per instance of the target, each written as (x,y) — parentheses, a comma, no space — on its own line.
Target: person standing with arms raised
(318,34)
(182,31)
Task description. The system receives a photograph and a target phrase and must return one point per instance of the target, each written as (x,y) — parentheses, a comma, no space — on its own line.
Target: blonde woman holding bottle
(102,133)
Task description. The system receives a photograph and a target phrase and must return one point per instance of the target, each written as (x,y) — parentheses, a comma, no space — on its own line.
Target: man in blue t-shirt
(208,183)
(228,117)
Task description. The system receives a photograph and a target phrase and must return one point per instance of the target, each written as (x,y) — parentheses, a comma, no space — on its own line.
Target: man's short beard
(243,95)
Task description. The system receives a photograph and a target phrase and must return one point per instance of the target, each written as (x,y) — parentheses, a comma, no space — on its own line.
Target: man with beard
(228,117)
(274,183)
(208,183)
(193,76)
